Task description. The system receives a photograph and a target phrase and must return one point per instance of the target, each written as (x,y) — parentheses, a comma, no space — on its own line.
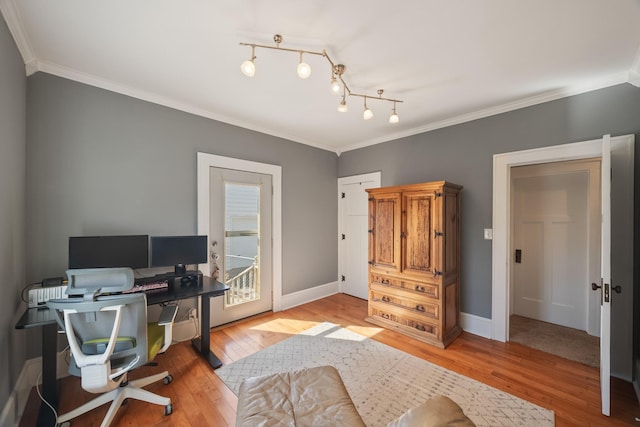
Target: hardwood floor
(199,398)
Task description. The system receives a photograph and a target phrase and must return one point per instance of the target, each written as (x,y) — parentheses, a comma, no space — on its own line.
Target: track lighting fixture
(248,67)
(393,118)
(342,107)
(304,70)
(336,70)
(367,114)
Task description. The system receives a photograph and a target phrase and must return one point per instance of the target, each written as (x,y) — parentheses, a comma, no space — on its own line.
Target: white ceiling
(449,61)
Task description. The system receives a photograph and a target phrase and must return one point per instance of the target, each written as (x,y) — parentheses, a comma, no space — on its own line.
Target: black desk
(45,319)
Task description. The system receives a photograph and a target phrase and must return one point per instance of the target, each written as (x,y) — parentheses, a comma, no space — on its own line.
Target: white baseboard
(476,325)
(29,377)
(308,295)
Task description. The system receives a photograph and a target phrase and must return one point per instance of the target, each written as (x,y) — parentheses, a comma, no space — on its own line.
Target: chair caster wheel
(167,379)
(168,409)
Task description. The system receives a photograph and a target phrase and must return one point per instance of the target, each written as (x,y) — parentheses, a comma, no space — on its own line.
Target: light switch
(488,234)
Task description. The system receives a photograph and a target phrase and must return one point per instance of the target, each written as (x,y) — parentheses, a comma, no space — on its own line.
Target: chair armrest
(168,315)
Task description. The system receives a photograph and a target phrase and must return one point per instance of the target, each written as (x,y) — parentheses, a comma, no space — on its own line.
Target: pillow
(438,411)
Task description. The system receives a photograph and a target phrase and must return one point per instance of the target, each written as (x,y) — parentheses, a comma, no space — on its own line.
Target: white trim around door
(206,161)
(502,164)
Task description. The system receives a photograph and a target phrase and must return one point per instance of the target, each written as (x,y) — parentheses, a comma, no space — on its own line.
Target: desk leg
(203,344)
(49,374)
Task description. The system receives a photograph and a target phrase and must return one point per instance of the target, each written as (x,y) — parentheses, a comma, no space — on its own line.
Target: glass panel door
(241,243)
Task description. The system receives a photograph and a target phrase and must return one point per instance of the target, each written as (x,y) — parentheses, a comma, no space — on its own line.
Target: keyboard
(149,286)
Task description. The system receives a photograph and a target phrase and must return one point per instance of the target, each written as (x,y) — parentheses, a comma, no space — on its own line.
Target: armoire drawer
(403,317)
(405,299)
(426,289)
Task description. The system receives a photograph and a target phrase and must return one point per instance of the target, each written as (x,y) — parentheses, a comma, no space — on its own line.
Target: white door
(353,221)
(556,241)
(605,282)
(240,237)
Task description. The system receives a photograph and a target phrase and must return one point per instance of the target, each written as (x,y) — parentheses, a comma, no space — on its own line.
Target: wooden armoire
(414,260)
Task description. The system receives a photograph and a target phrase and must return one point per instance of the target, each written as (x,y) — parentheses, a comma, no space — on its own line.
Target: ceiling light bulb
(304,70)
(342,107)
(393,118)
(367,112)
(248,68)
(335,86)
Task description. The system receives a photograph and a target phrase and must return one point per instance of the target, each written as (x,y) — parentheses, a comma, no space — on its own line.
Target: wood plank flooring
(199,398)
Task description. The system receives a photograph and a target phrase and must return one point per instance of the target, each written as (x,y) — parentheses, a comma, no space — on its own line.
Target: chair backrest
(107,334)
(90,282)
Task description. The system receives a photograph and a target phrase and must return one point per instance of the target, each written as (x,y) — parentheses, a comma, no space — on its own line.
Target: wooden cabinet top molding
(413,187)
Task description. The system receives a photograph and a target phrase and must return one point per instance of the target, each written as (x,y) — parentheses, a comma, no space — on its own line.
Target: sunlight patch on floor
(287,326)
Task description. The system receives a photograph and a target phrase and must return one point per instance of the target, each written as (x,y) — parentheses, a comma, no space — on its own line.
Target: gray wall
(464,153)
(104,163)
(12,183)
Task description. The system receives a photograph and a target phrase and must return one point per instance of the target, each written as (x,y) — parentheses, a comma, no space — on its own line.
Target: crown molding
(499,109)
(14,23)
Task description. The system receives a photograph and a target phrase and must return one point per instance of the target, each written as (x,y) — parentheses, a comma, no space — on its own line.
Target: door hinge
(343,278)
(437,234)
(343,195)
(344,236)
(436,194)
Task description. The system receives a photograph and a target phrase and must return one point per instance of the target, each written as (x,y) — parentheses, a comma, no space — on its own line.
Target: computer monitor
(109,251)
(178,251)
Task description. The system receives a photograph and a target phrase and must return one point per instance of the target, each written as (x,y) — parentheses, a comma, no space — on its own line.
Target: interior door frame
(501,269)
(206,161)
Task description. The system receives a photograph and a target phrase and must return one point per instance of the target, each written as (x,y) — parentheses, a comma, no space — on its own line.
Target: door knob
(617,289)
(595,286)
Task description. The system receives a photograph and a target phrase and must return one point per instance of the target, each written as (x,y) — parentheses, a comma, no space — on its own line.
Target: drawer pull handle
(420,288)
(386,282)
(385,316)
(420,308)
(386,299)
(423,328)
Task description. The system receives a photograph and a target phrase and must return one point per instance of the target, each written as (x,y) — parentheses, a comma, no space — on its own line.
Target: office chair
(109,336)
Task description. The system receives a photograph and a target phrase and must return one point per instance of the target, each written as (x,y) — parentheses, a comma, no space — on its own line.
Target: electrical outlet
(488,234)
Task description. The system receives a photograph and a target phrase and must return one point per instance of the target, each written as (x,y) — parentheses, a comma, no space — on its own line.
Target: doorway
(556,243)
(238,180)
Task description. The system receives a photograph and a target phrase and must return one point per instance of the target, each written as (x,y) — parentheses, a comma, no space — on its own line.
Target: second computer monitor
(178,251)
